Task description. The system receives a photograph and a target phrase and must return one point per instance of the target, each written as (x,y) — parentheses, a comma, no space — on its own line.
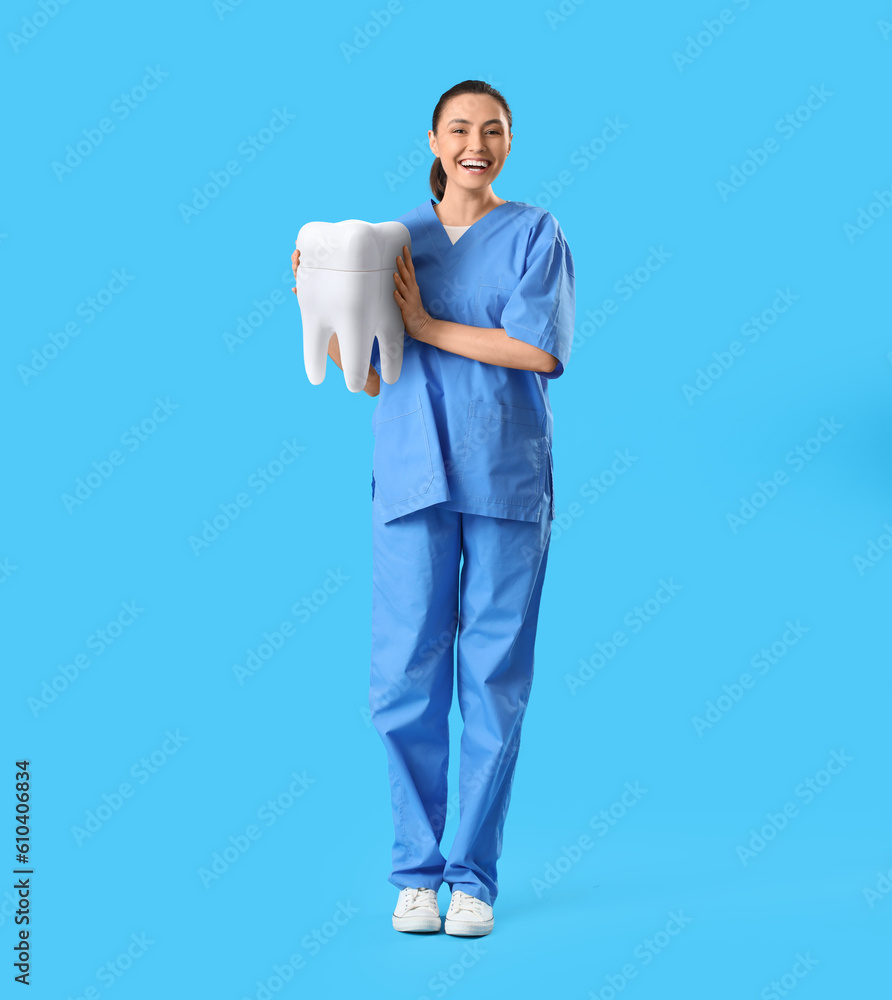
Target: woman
(462,501)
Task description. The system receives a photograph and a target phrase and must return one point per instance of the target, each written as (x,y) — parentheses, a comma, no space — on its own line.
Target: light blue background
(359,116)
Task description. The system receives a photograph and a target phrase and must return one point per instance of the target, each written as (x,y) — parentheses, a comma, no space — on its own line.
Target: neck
(460,207)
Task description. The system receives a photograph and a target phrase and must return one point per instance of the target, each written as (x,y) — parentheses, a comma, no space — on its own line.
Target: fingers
(402,266)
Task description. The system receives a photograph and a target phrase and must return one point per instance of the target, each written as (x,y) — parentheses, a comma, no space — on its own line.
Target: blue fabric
(470,436)
(450,586)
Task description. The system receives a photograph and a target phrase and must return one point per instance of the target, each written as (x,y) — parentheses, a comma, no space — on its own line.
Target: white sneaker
(468,916)
(417,910)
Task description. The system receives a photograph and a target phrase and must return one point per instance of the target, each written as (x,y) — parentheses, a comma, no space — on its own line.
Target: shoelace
(416,897)
(469,904)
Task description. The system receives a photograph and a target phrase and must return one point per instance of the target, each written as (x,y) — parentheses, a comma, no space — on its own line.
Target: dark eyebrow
(464,121)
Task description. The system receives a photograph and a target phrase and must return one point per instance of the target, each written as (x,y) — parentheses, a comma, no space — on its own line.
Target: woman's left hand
(408,295)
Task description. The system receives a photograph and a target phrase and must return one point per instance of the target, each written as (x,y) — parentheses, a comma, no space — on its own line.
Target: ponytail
(438,179)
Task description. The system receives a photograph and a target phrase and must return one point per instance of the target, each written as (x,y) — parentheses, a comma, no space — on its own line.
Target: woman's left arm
(483,344)
(492,345)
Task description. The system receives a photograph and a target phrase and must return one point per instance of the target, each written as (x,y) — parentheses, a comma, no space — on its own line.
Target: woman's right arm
(373,384)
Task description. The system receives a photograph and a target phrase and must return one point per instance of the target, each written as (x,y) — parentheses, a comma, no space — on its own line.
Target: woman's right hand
(295,263)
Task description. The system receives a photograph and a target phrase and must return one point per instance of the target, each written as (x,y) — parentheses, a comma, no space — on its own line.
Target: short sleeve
(542,308)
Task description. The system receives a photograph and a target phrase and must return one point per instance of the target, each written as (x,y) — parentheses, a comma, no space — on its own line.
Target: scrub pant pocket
(455,603)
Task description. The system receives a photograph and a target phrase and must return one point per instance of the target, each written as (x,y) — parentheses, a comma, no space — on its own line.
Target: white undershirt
(453,232)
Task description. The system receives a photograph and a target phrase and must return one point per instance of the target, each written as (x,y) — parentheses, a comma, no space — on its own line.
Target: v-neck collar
(450,253)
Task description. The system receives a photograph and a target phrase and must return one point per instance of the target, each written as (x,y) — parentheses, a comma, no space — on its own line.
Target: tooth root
(317,332)
(391,335)
(355,331)
(348,289)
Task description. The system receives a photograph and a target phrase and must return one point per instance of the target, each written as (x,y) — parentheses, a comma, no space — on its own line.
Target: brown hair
(438,174)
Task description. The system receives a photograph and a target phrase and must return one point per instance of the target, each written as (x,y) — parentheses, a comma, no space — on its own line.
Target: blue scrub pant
(437,572)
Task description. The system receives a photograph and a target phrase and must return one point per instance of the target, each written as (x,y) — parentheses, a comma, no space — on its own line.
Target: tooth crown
(352,245)
(345,286)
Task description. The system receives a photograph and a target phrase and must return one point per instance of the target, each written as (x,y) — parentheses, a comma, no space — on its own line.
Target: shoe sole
(422,925)
(468,928)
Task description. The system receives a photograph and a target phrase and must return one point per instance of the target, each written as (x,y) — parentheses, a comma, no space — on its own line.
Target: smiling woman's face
(472,127)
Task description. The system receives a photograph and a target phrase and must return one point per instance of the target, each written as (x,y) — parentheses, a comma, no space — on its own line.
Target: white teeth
(473,163)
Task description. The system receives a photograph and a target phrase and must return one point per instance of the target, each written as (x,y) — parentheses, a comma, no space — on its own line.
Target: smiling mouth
(477,169)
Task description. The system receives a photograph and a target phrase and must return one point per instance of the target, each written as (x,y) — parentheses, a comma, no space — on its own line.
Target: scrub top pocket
(402,458)
(504,454)
(493,292)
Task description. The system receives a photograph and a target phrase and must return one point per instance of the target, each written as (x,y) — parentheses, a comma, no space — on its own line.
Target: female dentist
(462,504)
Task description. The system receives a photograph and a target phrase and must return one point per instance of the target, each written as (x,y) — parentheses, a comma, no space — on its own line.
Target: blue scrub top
(464,434)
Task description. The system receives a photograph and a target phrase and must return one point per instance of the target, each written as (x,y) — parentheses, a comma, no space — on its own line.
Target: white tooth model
(345,285)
